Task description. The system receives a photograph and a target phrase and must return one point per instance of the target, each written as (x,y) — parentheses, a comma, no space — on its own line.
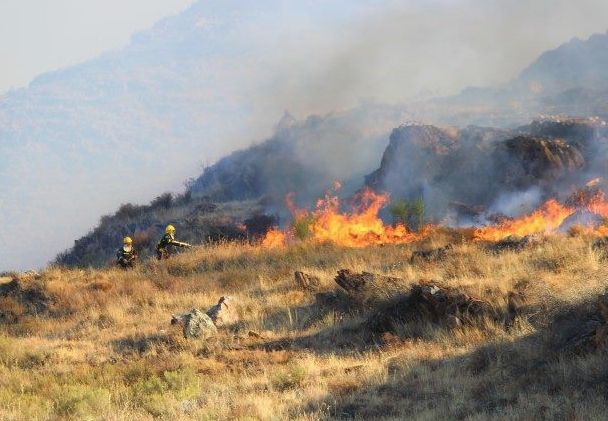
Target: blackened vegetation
(527,159)
(23,298)
(433,255)
(513,243)
(430,303)
(367,308)
(601,245)
(259,224)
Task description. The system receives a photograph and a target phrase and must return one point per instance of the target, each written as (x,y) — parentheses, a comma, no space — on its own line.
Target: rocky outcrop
(473,166)
(195,324)
(527,160)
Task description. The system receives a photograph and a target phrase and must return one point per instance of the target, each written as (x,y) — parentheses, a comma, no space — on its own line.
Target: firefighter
(165,246)
(126,255)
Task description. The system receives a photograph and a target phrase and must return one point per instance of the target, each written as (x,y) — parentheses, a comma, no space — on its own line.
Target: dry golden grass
(104,348)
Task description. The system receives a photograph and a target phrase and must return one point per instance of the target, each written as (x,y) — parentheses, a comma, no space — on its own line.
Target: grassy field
(97,344)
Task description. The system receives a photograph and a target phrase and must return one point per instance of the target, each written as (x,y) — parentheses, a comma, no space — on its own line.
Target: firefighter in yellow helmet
(165,245)
(126,255)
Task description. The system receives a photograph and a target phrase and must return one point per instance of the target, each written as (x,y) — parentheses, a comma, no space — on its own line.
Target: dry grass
(104,349)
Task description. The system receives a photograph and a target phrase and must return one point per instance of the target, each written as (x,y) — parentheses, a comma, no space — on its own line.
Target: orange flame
(598,204)
(274,238)
(546,219)
(363,227)
(359,228)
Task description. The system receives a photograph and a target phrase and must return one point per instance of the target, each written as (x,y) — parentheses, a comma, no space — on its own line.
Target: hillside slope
(132,123)
(98,344)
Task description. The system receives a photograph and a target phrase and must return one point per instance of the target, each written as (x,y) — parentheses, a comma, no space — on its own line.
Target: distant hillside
(575,64)
(568,80)
(78,141)
(196,220)
(131,123)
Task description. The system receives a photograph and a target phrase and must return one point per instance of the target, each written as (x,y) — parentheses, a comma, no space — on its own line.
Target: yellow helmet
(170,228)
(127,240)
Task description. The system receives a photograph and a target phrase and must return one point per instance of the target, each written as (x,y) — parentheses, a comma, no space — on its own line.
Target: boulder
(196,324)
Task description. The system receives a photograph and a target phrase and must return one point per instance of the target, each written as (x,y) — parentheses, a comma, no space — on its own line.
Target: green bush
(417,213)
(410,214)
(301,227)
(400,212)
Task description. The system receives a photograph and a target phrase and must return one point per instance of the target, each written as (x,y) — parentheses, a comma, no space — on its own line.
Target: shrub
(290,377)
(400,212)
(81,401)
(128,210)
(417,213)
(301,227)
(163,201)
(409,214)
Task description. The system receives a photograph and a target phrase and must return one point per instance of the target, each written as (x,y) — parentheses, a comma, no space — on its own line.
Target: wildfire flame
(359,228)
(551,216)
(274,238)
(363,227)
(546,219)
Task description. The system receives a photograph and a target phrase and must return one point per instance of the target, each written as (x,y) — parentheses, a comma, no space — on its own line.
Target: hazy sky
(41,35)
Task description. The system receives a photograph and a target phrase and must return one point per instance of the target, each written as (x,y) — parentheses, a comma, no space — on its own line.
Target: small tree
(417,213)
(409,214)
(400,212)
(301,227)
